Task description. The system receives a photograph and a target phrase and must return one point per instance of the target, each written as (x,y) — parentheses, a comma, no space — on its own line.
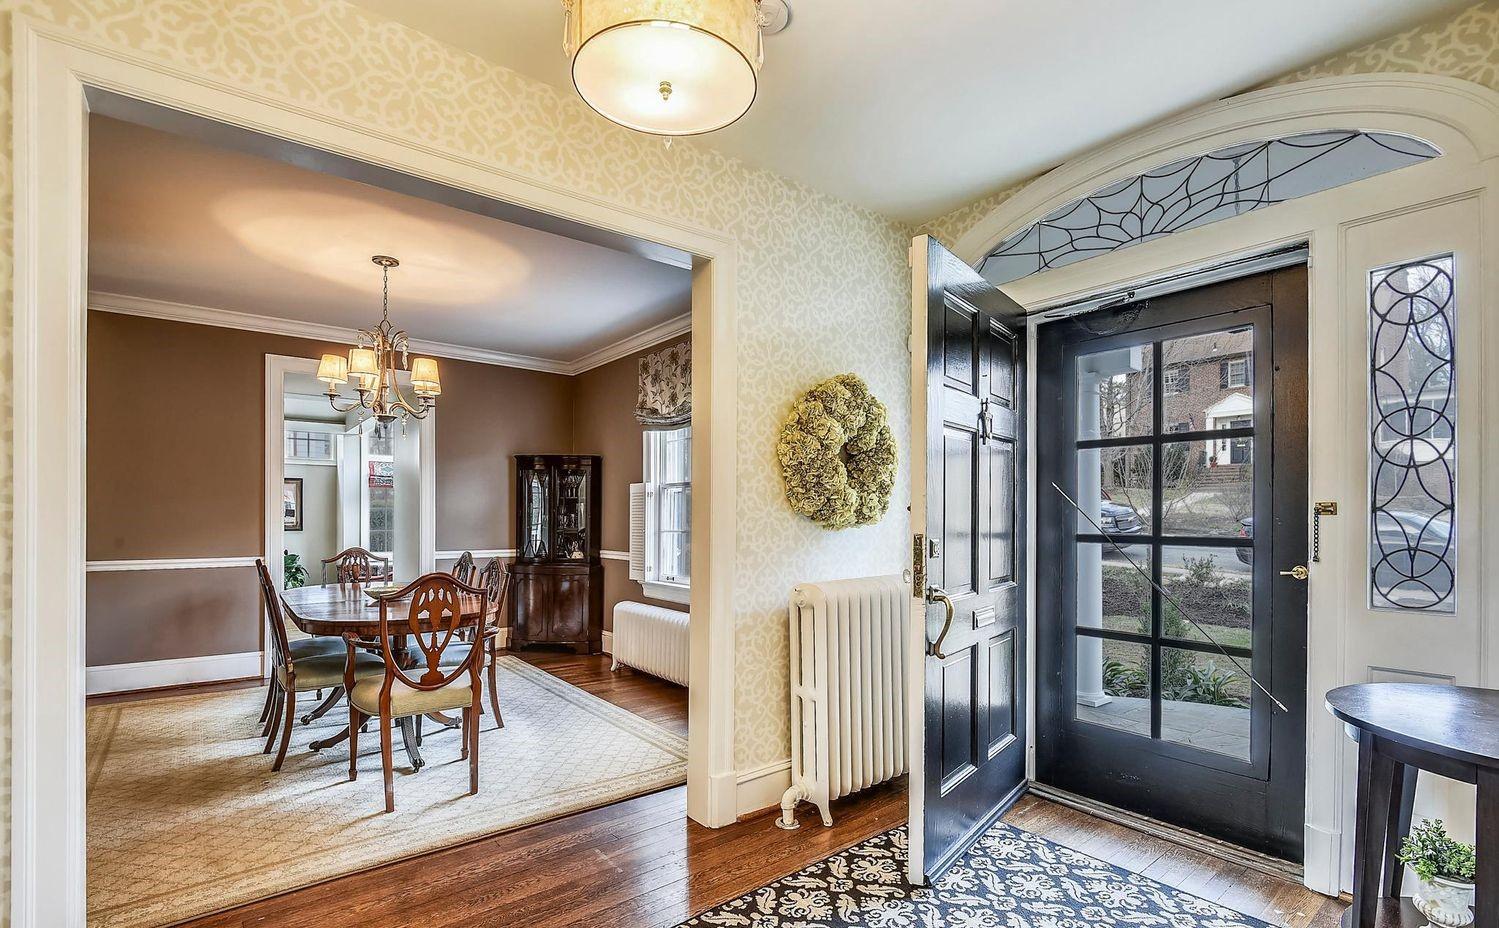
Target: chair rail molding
(56,72)
(1445,204)
(172,563)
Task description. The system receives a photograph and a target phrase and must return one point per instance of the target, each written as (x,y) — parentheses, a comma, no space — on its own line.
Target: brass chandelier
(371,364)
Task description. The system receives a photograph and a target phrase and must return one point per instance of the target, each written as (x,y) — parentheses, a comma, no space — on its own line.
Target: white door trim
(53,68)
(277,366)
(1462,119)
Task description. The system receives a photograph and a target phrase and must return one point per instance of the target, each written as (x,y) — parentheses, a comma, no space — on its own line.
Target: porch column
(1089,557)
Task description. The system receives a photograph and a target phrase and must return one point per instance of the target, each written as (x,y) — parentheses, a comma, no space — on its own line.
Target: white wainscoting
(146,675)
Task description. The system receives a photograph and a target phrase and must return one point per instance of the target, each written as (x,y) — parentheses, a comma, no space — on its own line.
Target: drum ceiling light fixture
(669,67)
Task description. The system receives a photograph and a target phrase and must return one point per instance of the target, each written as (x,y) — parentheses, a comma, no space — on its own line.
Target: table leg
(1486,908)
(330,741)
(1404,792)
(408,738)
(1376,772)
(334,695)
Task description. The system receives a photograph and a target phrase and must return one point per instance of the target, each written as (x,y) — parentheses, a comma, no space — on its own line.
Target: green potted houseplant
(1445,868)
(293,570)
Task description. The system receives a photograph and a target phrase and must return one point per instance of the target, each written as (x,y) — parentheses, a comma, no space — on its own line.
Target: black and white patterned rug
(1010,879)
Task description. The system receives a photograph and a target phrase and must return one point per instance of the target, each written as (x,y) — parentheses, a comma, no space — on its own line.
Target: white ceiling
(915,108)
(177,220)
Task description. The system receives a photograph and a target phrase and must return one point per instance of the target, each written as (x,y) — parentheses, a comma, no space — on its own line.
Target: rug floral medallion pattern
(185,816)
(1010,879)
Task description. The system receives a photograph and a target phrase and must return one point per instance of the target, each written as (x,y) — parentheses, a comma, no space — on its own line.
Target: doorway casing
(1462,120)
(55,72)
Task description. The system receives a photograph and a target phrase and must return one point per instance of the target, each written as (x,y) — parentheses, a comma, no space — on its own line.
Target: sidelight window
(1413,447)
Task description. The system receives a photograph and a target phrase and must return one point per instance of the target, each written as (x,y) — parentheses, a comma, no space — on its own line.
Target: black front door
(970,552)
(1179,427)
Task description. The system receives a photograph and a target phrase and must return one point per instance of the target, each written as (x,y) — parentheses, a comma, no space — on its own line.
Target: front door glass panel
(1165,441)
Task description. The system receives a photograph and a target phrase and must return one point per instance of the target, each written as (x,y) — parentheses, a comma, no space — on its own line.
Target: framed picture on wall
(291,504)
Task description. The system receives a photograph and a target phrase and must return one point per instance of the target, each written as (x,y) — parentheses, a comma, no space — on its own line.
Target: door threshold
(1213,847)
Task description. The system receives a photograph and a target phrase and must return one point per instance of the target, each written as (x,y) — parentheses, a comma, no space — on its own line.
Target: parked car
(1118,519)
(1397,529)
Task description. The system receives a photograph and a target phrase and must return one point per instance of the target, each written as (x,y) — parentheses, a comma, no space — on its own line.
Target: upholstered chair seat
(327,670)
(313,647)
(406,700)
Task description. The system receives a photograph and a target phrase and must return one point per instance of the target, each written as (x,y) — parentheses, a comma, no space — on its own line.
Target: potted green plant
(292,570)
(1446,868)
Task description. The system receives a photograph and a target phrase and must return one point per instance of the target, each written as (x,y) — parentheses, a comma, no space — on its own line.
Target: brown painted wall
(175,467)
(156,615)
(487,415)
(604,423)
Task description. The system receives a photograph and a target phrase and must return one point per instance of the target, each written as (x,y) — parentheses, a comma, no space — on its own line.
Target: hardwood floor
(642,864)
(1275,900)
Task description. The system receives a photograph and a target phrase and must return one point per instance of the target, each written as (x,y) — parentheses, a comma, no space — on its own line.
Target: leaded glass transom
(1412,435)
(1196,191)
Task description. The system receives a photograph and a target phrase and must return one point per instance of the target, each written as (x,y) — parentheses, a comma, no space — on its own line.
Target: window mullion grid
(1156,528)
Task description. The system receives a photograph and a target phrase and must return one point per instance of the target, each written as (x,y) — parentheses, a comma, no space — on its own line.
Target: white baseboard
(762,787)
(145,675)
(608,642)
(1323,856)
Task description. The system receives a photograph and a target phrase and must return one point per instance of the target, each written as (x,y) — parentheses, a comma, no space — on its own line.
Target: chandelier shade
(424,379)
(666,67)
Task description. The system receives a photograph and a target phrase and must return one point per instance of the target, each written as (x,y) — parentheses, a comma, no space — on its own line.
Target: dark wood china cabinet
(558,592)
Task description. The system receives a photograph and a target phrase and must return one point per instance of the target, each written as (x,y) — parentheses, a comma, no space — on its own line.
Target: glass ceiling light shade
(666,67)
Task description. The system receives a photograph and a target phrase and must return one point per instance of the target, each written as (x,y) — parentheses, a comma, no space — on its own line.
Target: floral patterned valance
(666,388)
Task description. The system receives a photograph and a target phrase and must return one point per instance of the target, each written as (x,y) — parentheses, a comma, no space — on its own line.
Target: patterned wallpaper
(822,288)
(1463,45)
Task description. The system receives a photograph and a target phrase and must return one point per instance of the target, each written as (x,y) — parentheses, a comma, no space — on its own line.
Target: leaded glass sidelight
(1412,435)
(1196,191)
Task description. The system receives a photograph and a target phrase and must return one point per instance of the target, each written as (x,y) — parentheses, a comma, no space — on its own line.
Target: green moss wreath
(838,455)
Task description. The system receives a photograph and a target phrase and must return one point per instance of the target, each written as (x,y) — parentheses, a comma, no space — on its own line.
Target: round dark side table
(1402,728)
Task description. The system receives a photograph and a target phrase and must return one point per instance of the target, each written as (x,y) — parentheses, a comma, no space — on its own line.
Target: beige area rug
(185,816)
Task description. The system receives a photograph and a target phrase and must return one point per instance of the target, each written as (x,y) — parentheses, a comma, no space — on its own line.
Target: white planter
(1445,903)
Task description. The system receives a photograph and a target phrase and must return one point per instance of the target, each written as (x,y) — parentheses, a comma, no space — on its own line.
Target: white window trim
(669,592)
(654,587)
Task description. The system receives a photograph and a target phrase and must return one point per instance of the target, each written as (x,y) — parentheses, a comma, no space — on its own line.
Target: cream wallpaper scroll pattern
(1463,45)
(823,286)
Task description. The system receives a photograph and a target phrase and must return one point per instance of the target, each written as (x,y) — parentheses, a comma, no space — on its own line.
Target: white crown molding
(170,563)
(623,348)
(251,322)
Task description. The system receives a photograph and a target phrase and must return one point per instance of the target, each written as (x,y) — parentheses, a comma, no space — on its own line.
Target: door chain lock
(1318,511)
(1299,572)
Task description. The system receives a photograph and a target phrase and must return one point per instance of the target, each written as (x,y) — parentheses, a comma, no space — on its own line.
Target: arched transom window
(1196,191)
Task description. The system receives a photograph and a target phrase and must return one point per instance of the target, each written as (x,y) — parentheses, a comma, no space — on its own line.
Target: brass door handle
(1299,572)
(934,648)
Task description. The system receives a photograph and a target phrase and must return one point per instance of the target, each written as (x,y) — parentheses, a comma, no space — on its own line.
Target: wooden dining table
(339,609)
